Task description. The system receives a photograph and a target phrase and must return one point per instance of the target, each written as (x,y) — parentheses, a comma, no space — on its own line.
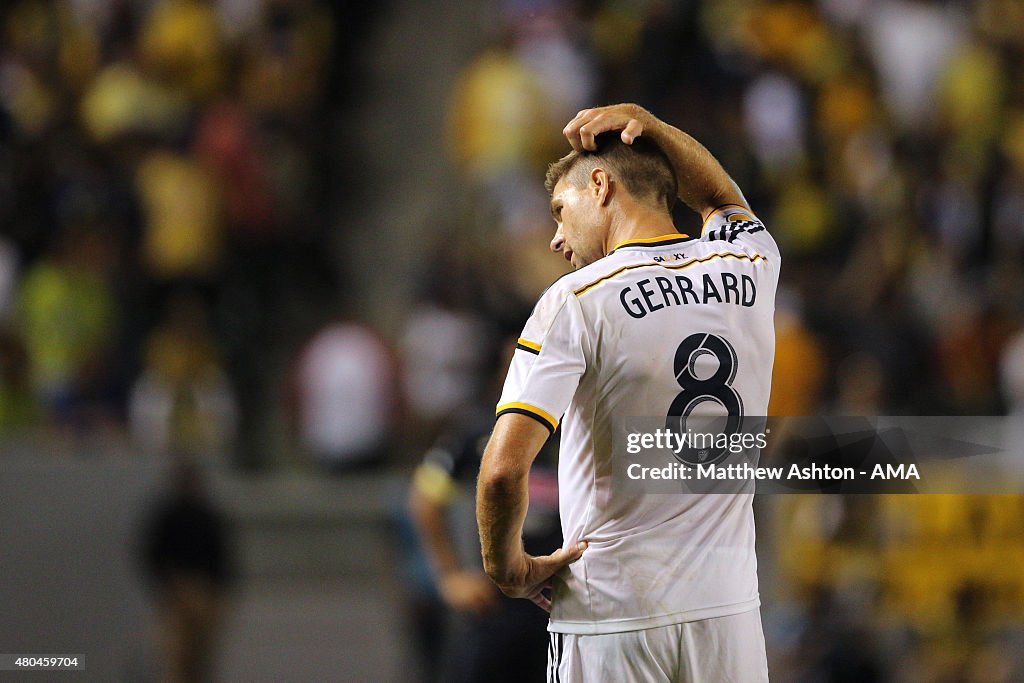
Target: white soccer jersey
(601,344)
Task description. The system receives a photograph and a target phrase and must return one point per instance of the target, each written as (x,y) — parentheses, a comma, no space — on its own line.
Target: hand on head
(589,123)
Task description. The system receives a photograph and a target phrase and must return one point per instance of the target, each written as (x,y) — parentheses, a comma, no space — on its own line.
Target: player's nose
(557,242)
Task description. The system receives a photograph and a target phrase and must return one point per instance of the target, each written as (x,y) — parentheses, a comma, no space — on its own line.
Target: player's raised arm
(703,184)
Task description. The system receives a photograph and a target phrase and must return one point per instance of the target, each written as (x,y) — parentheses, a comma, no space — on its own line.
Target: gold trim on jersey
(692,262)
(532,411)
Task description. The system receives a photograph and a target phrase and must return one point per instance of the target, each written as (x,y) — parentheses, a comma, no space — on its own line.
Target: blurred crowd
(166,185)
(169,276)
(167,177)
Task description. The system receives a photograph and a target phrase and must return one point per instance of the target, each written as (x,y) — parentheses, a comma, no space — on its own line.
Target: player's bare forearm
(502,494)
(501,501)
(703,184)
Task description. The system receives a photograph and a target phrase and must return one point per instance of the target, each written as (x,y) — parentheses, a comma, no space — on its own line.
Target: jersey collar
(661,241)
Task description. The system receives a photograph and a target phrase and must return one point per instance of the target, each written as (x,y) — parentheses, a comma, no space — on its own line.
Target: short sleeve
(549,360)
(739,226)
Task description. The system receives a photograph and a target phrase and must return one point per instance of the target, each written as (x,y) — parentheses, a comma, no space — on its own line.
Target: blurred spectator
(502,129)
(775,117)
(343,396)
(122,100)
(181,45)
(549,41)
(445,346)
(968,352)
(187,556)
(442,349)
(8,278)
(491,637)
(837,645)
(182,403)
(860,386)
(805,213)
(182,237)
(20,410)
(798,373)
(971,94)
(910,42)
(285,59)
(1011,374)
(69,317)
(498,115)
(228,144)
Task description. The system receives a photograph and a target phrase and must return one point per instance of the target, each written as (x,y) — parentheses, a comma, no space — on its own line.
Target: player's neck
(639,222)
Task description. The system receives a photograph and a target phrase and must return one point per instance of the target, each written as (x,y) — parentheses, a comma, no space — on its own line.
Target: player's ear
(600,185)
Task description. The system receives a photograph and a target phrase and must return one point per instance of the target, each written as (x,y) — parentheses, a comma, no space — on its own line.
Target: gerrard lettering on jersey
(653,294)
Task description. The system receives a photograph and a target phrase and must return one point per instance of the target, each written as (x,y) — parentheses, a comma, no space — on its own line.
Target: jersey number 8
(700,388)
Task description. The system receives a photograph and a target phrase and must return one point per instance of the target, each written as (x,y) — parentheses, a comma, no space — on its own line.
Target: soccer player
(647,587)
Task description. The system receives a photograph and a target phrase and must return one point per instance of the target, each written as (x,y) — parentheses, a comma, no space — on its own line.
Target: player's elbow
(498,480)
(727,192)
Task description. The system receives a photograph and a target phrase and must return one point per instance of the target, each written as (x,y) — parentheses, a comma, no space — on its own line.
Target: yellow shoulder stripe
(528,344)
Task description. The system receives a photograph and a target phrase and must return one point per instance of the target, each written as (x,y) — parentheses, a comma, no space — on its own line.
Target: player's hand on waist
(529,577)
(631,119)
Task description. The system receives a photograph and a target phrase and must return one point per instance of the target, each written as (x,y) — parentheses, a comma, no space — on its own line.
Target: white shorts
(720,650)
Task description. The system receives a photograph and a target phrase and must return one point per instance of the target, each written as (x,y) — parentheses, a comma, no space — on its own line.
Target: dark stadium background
(220,221)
